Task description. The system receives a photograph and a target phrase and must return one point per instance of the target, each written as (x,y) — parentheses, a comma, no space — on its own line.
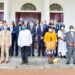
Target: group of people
(51,40)
(10,42)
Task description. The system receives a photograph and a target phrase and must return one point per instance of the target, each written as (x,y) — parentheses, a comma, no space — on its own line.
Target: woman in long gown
(61,42)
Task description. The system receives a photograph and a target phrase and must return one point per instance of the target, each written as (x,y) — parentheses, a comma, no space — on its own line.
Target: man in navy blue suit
(1,25)
(45,27)
(41,30)
(57,27)
(31,26)
(17,29)
(1,28)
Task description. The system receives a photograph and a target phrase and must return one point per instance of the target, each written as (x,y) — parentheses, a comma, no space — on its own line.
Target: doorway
(1,15)
(28,16)
(58,17)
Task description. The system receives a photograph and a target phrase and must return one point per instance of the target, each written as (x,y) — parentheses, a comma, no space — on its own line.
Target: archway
(28,6)
(1,11)
(32,15)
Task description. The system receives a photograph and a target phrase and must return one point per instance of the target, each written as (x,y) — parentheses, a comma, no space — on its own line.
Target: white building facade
(13,9)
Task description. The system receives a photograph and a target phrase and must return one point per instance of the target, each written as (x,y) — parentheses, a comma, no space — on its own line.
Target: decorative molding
(55,7)
(28,6)
(1,6)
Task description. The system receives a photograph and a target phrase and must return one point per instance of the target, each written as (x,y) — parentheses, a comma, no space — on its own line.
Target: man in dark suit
(41,30)
(32,28)
(1,28)
(17,30)
(45,27)
(57,27)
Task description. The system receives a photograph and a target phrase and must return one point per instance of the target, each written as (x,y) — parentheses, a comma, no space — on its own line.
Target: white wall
(1,0)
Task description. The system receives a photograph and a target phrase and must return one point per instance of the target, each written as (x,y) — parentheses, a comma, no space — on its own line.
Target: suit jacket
(17,30)
(45,28)
(1,28)
(33,31)
(57,27)
(41,33)
(69,38)
(5,38)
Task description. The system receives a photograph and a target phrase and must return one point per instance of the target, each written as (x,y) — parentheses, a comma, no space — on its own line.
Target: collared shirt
(72,34)
(42,28)
(25,38)
(19,28)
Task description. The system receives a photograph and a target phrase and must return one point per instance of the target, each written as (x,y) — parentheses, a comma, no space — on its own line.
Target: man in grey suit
(70,39)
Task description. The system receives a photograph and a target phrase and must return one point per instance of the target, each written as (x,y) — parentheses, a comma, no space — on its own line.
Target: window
(1,6)
(28,6)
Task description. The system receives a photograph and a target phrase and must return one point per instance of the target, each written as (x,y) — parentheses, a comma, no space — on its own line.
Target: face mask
(25,23)
(20,23)
(5,28)
(50,30)
(0,24)
(62,28)
(24,28)
(71,30)
(31,24)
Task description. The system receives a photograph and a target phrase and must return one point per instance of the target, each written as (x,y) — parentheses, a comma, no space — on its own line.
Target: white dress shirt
(25,38)
(72,33)
(42,28)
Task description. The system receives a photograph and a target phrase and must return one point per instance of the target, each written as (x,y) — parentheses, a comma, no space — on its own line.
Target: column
(45,12)
(6,10)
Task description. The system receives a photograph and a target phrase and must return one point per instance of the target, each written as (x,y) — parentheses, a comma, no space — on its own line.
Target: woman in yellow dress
(50,40)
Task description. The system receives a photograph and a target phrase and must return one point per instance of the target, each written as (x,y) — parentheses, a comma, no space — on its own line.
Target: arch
(55,7)
(28,6)
(1,6)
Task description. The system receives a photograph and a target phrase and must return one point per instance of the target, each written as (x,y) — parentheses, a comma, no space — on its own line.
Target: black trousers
(33,44)
(16,48)
(41,48)
(31,52)
(24,53)
(14,44)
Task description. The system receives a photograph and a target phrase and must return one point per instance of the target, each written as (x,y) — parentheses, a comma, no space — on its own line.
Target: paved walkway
(35,62)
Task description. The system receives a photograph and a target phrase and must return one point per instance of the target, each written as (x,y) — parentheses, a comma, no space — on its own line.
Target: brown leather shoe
(2,62)
(7,62)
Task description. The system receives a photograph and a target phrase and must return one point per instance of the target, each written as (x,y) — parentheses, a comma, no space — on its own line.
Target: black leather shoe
(43,55)
(38,55)
(68,63)
(16,55)
(74,63)
(33,55)
(65,57)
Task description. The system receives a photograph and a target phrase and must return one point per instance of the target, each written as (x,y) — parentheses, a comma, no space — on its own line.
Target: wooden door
(57,16)
(1,15)
(28,16)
